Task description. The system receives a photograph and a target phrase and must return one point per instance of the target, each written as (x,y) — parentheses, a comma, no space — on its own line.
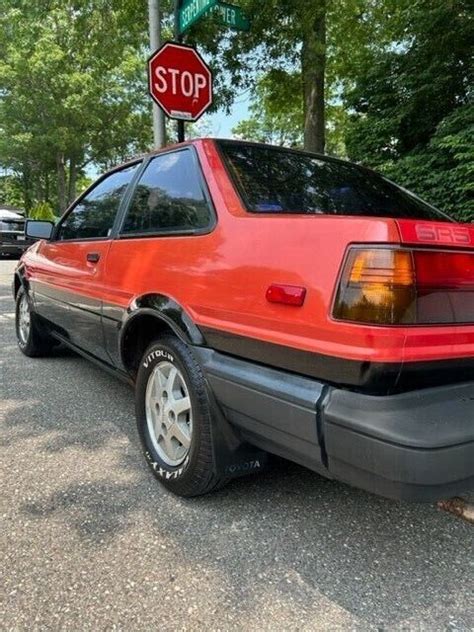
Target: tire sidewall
(169,351)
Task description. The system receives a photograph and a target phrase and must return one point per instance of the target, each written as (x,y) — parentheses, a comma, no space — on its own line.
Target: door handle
(93,257)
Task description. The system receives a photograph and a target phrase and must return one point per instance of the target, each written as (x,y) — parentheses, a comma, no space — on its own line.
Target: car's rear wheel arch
(152,317)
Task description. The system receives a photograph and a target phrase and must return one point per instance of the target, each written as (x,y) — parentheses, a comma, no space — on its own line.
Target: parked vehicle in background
(12,233)
(268,300)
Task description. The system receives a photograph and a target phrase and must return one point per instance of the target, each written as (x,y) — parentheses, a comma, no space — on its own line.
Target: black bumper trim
(274,411)
(414,446)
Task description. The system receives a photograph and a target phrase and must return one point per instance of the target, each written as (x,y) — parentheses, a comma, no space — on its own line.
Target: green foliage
(409,100)
(83,183)
(443,171)
(398,88)
(71,85)
(276,114)
(43,211)
(11,191)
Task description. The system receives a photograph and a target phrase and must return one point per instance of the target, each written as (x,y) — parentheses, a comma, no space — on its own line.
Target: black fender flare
(168,311)
(20,280)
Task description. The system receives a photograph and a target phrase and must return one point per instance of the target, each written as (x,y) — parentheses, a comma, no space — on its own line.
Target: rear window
(273,180)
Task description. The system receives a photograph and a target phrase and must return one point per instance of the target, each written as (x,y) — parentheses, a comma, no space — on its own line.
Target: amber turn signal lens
(393,267)
(377,286)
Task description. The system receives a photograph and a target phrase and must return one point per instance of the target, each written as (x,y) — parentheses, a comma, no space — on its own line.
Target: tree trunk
(61,182)
(313,65)
(46,187)
(71,193)
(26,187)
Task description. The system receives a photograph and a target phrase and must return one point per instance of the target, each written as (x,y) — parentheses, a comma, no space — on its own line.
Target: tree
(304,44)
(276,117)
(410,99)
(387,82)
(288,36)
(443,170)
(71,85)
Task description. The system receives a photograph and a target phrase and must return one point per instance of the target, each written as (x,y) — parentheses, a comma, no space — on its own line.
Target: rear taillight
(403,286)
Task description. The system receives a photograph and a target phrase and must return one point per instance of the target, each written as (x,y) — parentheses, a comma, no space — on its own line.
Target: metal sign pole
(154,17)
(179,38)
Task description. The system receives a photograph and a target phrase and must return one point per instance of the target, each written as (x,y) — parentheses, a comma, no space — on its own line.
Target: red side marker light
(286,294)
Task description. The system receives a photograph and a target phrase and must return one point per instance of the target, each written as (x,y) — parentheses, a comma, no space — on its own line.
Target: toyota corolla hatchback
(264,300)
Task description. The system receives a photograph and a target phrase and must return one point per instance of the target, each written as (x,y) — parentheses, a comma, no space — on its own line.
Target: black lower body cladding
(415,446)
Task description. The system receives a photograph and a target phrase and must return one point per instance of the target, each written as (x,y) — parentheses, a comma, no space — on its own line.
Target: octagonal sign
(180,81)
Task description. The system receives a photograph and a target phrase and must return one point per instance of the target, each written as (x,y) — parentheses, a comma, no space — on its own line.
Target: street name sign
(180,81)
(231,15)
(192,10)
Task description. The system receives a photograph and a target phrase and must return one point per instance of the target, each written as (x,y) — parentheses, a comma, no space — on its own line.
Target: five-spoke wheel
(169,413)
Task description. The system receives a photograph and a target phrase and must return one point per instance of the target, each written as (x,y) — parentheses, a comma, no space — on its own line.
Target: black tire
(195,476)
(37,343)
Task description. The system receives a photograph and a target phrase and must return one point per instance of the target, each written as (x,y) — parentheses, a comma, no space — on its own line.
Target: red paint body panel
(221,278)
(64,265)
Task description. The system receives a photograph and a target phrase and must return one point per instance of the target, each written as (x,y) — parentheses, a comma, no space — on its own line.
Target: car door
(165,241)
(68,275)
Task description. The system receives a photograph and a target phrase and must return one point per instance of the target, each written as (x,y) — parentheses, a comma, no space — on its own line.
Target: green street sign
(192,10)
(232,16)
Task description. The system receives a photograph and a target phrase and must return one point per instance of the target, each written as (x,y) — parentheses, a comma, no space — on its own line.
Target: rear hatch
(396,275)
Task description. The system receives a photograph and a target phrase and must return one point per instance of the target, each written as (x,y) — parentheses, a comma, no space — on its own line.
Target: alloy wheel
(169,413)
(24,319)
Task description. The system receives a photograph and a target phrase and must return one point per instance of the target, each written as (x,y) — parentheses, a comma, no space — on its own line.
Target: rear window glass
(273,180)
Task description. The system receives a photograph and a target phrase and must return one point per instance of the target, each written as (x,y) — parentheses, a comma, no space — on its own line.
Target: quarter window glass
(94,215)
(169,197)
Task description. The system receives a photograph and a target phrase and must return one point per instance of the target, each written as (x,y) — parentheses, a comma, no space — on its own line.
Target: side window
(169,197)
(94,215)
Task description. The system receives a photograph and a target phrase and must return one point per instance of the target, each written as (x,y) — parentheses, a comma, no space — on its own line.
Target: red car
(265,300)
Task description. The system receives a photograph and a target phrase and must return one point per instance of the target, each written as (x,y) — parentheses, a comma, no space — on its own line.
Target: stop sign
(180,81)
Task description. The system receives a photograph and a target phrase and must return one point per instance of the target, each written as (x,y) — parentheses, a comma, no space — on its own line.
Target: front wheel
(174,419)
(32,339)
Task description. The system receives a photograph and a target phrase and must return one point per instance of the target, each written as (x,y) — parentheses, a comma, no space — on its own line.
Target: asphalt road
(90,541)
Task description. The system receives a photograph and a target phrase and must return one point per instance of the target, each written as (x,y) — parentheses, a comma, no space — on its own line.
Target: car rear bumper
(414,446)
